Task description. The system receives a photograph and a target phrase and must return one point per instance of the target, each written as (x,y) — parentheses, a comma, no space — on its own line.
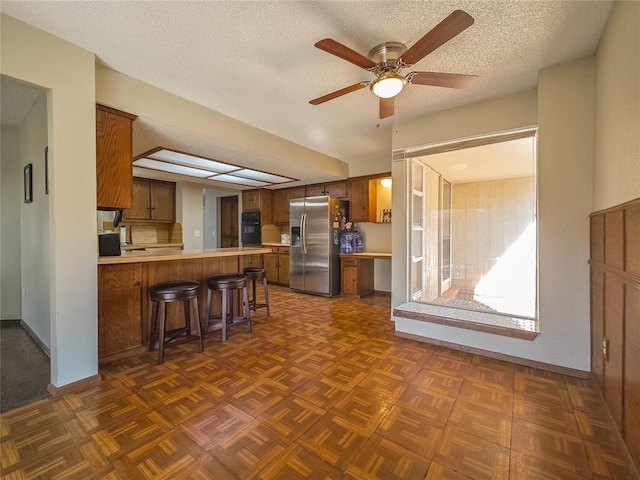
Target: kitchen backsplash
(271,233)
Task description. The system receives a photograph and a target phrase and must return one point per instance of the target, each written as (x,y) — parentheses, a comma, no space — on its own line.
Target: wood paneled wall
(615,315)
(487,218)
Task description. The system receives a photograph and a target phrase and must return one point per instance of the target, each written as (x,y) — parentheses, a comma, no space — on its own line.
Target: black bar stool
(227,284)
(167,292)
(254,275)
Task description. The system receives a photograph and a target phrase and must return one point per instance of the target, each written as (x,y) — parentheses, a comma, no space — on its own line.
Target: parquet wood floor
(322,390)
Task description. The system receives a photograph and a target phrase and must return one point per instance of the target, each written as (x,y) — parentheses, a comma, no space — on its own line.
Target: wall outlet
(197,234)
(24,294)
(605,348)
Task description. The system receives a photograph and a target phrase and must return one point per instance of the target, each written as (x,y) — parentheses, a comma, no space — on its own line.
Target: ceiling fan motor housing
(386,55)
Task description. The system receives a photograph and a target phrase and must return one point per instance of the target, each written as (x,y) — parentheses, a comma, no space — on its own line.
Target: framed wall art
(28,183)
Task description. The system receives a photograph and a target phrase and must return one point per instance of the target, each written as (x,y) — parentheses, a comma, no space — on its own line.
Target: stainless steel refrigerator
(316,225)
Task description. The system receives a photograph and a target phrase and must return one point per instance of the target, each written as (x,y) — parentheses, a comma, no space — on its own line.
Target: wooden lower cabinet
(357,276)
(124,307)
(120,326)
(252,261)
(276,264)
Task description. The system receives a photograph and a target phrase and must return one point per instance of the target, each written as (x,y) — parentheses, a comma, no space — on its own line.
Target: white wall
(484,118)
(372,167)
(34,224)
(617,157)
(189,213)
(69,73)
(10,200)
(565,117)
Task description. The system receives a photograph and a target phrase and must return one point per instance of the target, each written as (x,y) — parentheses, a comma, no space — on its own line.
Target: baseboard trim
(382,292)
(83,384)
(35,338)
(525,362)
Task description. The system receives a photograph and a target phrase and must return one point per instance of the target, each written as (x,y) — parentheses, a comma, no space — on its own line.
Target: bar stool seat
(227,284)
(167,292)
(254,275)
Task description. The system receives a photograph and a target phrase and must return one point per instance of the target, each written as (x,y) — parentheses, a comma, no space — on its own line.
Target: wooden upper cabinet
(335,189)
(362,201)
(250,200)
(163,201)
(114,170)
(258,200)
(314,190)
(281,200)
(152,200)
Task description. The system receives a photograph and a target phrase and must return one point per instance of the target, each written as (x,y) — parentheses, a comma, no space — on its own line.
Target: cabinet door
(314,190)
(163,201)
(362,202)
(349,276)
(253,261)
(119,308)
(114,170)
(336,189)
(283,269)
(250,200)
(140,194)
(266,207)
(280,206)
(270,264)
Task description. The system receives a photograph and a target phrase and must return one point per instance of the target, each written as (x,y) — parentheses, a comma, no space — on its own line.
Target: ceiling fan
(388,59)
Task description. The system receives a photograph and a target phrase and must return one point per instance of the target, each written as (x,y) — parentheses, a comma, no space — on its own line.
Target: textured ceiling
(255,61)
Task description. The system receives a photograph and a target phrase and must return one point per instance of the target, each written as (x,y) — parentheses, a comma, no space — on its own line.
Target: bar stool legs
(254,275)
(168,292)
(227,285)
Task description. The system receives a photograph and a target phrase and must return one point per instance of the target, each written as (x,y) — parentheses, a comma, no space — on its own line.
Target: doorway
(229,221)
(24,287)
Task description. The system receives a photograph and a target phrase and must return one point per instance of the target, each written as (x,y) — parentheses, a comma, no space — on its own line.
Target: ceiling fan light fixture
(388,85)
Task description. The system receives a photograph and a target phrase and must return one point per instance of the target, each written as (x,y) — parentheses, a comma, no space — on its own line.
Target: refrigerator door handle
(303,233)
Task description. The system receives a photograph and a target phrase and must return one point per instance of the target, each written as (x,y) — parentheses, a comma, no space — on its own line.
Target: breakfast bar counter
(158,255)
(124,307)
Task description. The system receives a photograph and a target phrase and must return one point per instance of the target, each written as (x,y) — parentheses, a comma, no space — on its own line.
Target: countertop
(374,255)
(141,246)
(275,244)
(136,256)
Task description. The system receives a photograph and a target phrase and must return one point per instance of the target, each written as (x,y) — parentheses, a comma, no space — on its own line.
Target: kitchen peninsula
(124,308)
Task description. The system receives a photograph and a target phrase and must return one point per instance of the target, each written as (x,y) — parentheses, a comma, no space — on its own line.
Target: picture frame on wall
(28,183)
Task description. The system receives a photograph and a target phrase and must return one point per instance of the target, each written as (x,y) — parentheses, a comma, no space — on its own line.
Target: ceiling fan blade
(338,93)
(448,28)
(449,80)
(329,45)
(387,106)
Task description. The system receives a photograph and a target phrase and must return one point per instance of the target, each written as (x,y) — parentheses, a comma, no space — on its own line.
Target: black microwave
(108,244)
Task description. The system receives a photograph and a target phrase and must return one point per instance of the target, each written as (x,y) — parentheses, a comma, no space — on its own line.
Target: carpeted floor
(24,369)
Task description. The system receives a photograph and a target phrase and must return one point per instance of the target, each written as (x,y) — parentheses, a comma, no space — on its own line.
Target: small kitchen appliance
(109,244)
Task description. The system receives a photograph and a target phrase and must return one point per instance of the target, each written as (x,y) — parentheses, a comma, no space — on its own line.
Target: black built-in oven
(250,228)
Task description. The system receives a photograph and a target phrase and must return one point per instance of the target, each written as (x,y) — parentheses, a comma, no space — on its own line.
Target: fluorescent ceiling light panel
(265,177)
(192,161)
(171,168)
(238,180)
(170,161)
